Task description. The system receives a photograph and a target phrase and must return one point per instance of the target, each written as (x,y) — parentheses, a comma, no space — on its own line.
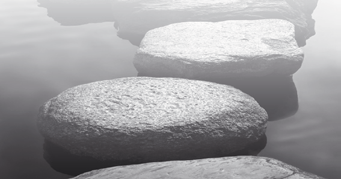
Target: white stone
(206,50)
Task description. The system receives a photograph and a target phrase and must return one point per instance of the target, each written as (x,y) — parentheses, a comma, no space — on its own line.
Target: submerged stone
(228,49)
(136,17)
(241,167)
(141,119)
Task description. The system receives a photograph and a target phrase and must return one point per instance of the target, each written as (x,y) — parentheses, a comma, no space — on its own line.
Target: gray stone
(136,17)
(210,50)
(141,119)
(241,167)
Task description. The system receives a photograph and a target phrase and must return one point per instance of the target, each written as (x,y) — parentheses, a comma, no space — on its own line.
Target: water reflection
(63,161)
(276,94)
(79,12)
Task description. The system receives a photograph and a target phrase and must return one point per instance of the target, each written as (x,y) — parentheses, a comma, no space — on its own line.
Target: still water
(48,46)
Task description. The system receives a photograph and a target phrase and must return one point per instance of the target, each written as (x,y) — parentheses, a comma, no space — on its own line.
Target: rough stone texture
(137,119)
(209,50)
(139,16)
(242,167)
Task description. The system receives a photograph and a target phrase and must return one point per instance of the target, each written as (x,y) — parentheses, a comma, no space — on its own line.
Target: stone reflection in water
(64,162)
(71,13)
(276,94)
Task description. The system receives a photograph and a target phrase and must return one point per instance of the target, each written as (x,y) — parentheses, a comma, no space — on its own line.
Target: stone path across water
(135,120)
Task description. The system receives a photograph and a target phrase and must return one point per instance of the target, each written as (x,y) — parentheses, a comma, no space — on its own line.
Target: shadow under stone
(64,162)
(275,93)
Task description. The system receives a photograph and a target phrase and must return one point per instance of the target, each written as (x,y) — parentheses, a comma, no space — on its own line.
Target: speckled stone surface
(135,17)
(141,119)
(200,50)
(241,167)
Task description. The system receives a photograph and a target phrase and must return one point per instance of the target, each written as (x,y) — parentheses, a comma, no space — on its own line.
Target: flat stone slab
(142,119)
(136,17)
(203,50)
(241,167)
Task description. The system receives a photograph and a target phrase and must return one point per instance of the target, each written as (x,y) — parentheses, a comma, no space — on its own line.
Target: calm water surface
(45,50)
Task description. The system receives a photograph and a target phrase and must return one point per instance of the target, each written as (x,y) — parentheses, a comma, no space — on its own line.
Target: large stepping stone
(242,167)
(141,119)
(136,17)
(228,49)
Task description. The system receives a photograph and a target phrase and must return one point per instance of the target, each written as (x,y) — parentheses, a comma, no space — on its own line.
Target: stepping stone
(241,167)
(228,49)
(142,119)
(136,17)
